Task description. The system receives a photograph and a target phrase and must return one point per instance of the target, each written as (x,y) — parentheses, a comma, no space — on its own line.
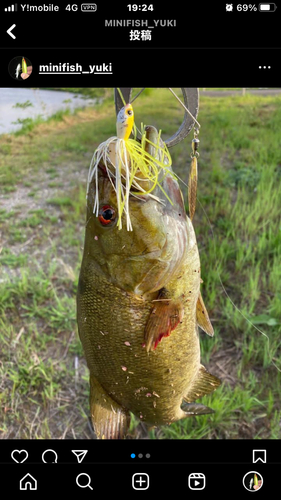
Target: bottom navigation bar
(126,478)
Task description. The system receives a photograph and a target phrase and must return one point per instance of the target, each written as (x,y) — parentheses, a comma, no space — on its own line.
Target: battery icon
(267,7)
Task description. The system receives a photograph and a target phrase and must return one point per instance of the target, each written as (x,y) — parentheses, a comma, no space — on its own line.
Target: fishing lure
(24,66)
(193,175)
(132,170)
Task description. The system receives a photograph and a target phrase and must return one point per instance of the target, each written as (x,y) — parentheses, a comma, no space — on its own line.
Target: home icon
(28,483)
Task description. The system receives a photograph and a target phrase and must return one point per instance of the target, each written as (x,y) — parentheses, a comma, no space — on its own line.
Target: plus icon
(140,481)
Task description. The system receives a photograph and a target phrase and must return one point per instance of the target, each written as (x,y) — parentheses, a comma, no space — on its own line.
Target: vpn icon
(80,455)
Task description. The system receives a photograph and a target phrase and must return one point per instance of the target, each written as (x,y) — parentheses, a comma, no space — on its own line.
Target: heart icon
(19,456)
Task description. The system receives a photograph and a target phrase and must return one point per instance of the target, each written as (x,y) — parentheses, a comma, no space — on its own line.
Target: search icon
(88,483)
(49,457)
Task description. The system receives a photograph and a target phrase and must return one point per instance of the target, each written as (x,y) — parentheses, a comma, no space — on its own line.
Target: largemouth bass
(139,306)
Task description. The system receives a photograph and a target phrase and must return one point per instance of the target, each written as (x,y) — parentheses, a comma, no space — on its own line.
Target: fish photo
(140,263)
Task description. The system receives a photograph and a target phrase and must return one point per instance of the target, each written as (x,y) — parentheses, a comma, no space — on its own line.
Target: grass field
(43,172)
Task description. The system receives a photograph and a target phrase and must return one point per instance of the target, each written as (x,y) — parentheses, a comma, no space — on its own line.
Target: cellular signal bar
(11,8)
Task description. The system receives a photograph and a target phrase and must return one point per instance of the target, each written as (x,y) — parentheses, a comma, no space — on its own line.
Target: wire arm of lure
(186,109)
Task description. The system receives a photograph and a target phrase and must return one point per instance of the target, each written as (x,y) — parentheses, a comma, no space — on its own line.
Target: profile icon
(20,68)
(252,481)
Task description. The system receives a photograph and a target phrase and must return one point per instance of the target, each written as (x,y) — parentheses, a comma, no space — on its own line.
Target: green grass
(43,172)
(23,105)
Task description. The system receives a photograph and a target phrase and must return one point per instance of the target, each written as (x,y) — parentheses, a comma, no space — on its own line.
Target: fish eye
(129,112)
(106,215)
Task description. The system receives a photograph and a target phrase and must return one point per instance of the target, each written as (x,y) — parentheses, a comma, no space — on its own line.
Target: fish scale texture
(111,326)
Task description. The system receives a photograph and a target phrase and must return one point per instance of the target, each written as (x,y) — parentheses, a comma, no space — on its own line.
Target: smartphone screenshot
(140,243)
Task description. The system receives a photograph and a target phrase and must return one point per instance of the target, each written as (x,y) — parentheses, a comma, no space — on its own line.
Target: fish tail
(204,383)
(109,419)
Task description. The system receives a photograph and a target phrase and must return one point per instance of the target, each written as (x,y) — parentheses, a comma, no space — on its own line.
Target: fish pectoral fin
(205,383)
(166,314)
(202,317)
(109,419)
(195,409)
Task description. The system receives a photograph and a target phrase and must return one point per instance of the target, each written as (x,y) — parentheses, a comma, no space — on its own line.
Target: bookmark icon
(259,456)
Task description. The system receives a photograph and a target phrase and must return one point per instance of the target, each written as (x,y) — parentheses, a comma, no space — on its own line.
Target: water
(44,103)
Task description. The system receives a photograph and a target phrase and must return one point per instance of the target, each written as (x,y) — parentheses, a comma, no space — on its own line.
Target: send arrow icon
(80,455)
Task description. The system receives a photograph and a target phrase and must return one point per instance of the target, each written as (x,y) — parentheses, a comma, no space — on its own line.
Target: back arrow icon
(9,31)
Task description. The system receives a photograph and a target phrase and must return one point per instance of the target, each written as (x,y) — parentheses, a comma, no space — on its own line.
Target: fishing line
(234,305)
(223,287)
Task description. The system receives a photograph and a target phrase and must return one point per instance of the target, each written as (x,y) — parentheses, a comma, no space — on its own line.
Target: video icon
(196,481)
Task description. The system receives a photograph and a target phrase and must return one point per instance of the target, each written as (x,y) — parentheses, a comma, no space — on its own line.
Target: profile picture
(20,68)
